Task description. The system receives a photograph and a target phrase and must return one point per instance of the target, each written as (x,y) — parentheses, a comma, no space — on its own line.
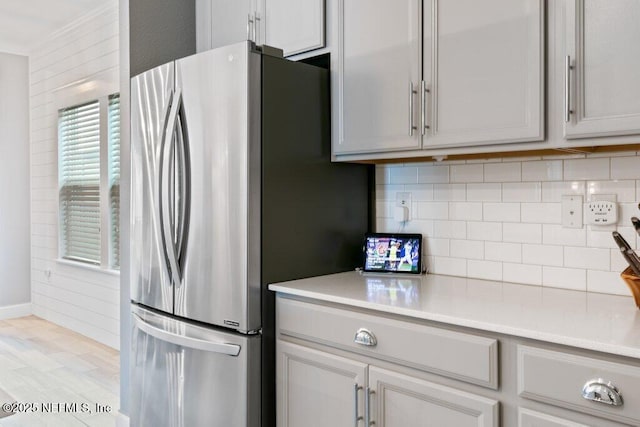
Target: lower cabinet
(529,418)
(317,388)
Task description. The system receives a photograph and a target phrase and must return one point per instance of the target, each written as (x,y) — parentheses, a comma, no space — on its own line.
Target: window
(89,181)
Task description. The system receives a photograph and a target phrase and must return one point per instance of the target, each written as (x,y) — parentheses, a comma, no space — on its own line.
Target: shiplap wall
(500,219)
(84,56)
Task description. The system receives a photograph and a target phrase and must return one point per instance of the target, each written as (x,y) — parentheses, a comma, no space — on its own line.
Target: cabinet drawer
(465,357)
(529,418)
(558,379)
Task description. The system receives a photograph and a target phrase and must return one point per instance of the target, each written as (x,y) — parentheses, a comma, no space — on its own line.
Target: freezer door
(151,95)
(220,92)
(185,375)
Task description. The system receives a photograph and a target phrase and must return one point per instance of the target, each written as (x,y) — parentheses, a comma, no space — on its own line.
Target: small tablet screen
(393,253)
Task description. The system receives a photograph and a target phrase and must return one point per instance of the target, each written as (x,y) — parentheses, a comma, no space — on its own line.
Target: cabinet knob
(603,392)
(365,337)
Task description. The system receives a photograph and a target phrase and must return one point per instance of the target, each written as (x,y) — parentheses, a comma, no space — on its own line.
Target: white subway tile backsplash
(606,282)
(449,266)
(521,192)
(433,210)
(384,208)
(601,239)
(625,212)
(501,212)
(618,263)
(587,258)
(625,167)
(584,169)
(433,174)
(500,251)
(467,173)
(502,172)
(470,211)
(546,170)
(566,278)
(468,249)
(420,226)
(521,273)
(484,192)
(553,234)
(543,255)
(553,191)
(403,175)
(449,192)
(488,231)
(542,213)
(624,190)
(488,270)
(450,229)
(500,219)
(386,225)
(522,233)
(419,192)
(437,247)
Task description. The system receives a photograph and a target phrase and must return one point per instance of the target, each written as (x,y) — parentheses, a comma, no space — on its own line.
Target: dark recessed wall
(160,31)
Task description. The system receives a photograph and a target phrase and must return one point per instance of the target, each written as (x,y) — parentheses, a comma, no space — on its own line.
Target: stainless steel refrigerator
(232,189)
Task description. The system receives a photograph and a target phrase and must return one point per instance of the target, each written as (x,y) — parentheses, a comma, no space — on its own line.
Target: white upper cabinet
(295,26)
(601,68)
(484,72)
(421,74)
(224,22)
(379,73)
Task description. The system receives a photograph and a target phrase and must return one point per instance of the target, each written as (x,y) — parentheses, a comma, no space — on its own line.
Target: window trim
(72,95)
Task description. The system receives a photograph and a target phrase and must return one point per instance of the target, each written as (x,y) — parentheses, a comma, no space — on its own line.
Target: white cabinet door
(378,76)
(225,22)
(603,47)
(399,401)
(484,71)
(317,389)
(295,26)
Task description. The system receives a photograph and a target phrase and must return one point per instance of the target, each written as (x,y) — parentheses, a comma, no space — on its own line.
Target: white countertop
(599,322)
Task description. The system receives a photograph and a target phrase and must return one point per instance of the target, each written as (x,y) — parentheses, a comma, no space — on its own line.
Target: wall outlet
(601,212)
(572,211)
(402,211)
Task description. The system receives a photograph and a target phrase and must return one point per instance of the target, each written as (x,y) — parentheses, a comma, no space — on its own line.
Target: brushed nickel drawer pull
(365,337)
(598,390)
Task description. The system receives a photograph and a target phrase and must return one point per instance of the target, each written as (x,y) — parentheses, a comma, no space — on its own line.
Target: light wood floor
(41,362)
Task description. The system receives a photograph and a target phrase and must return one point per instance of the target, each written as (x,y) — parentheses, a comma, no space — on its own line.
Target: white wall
(14,185)
(500,219)
(83,55)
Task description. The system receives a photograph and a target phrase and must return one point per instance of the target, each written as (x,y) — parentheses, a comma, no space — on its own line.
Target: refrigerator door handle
(166,189)
(184,170)
(184,340)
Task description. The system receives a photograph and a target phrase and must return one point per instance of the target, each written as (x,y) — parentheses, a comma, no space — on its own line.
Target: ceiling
(25,23)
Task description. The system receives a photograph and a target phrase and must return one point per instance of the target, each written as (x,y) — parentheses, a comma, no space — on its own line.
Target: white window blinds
(114,179)
(79,182)
(89,156)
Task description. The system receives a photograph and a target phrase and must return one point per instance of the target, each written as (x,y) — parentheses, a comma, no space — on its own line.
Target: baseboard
(13,311)
(122,420)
